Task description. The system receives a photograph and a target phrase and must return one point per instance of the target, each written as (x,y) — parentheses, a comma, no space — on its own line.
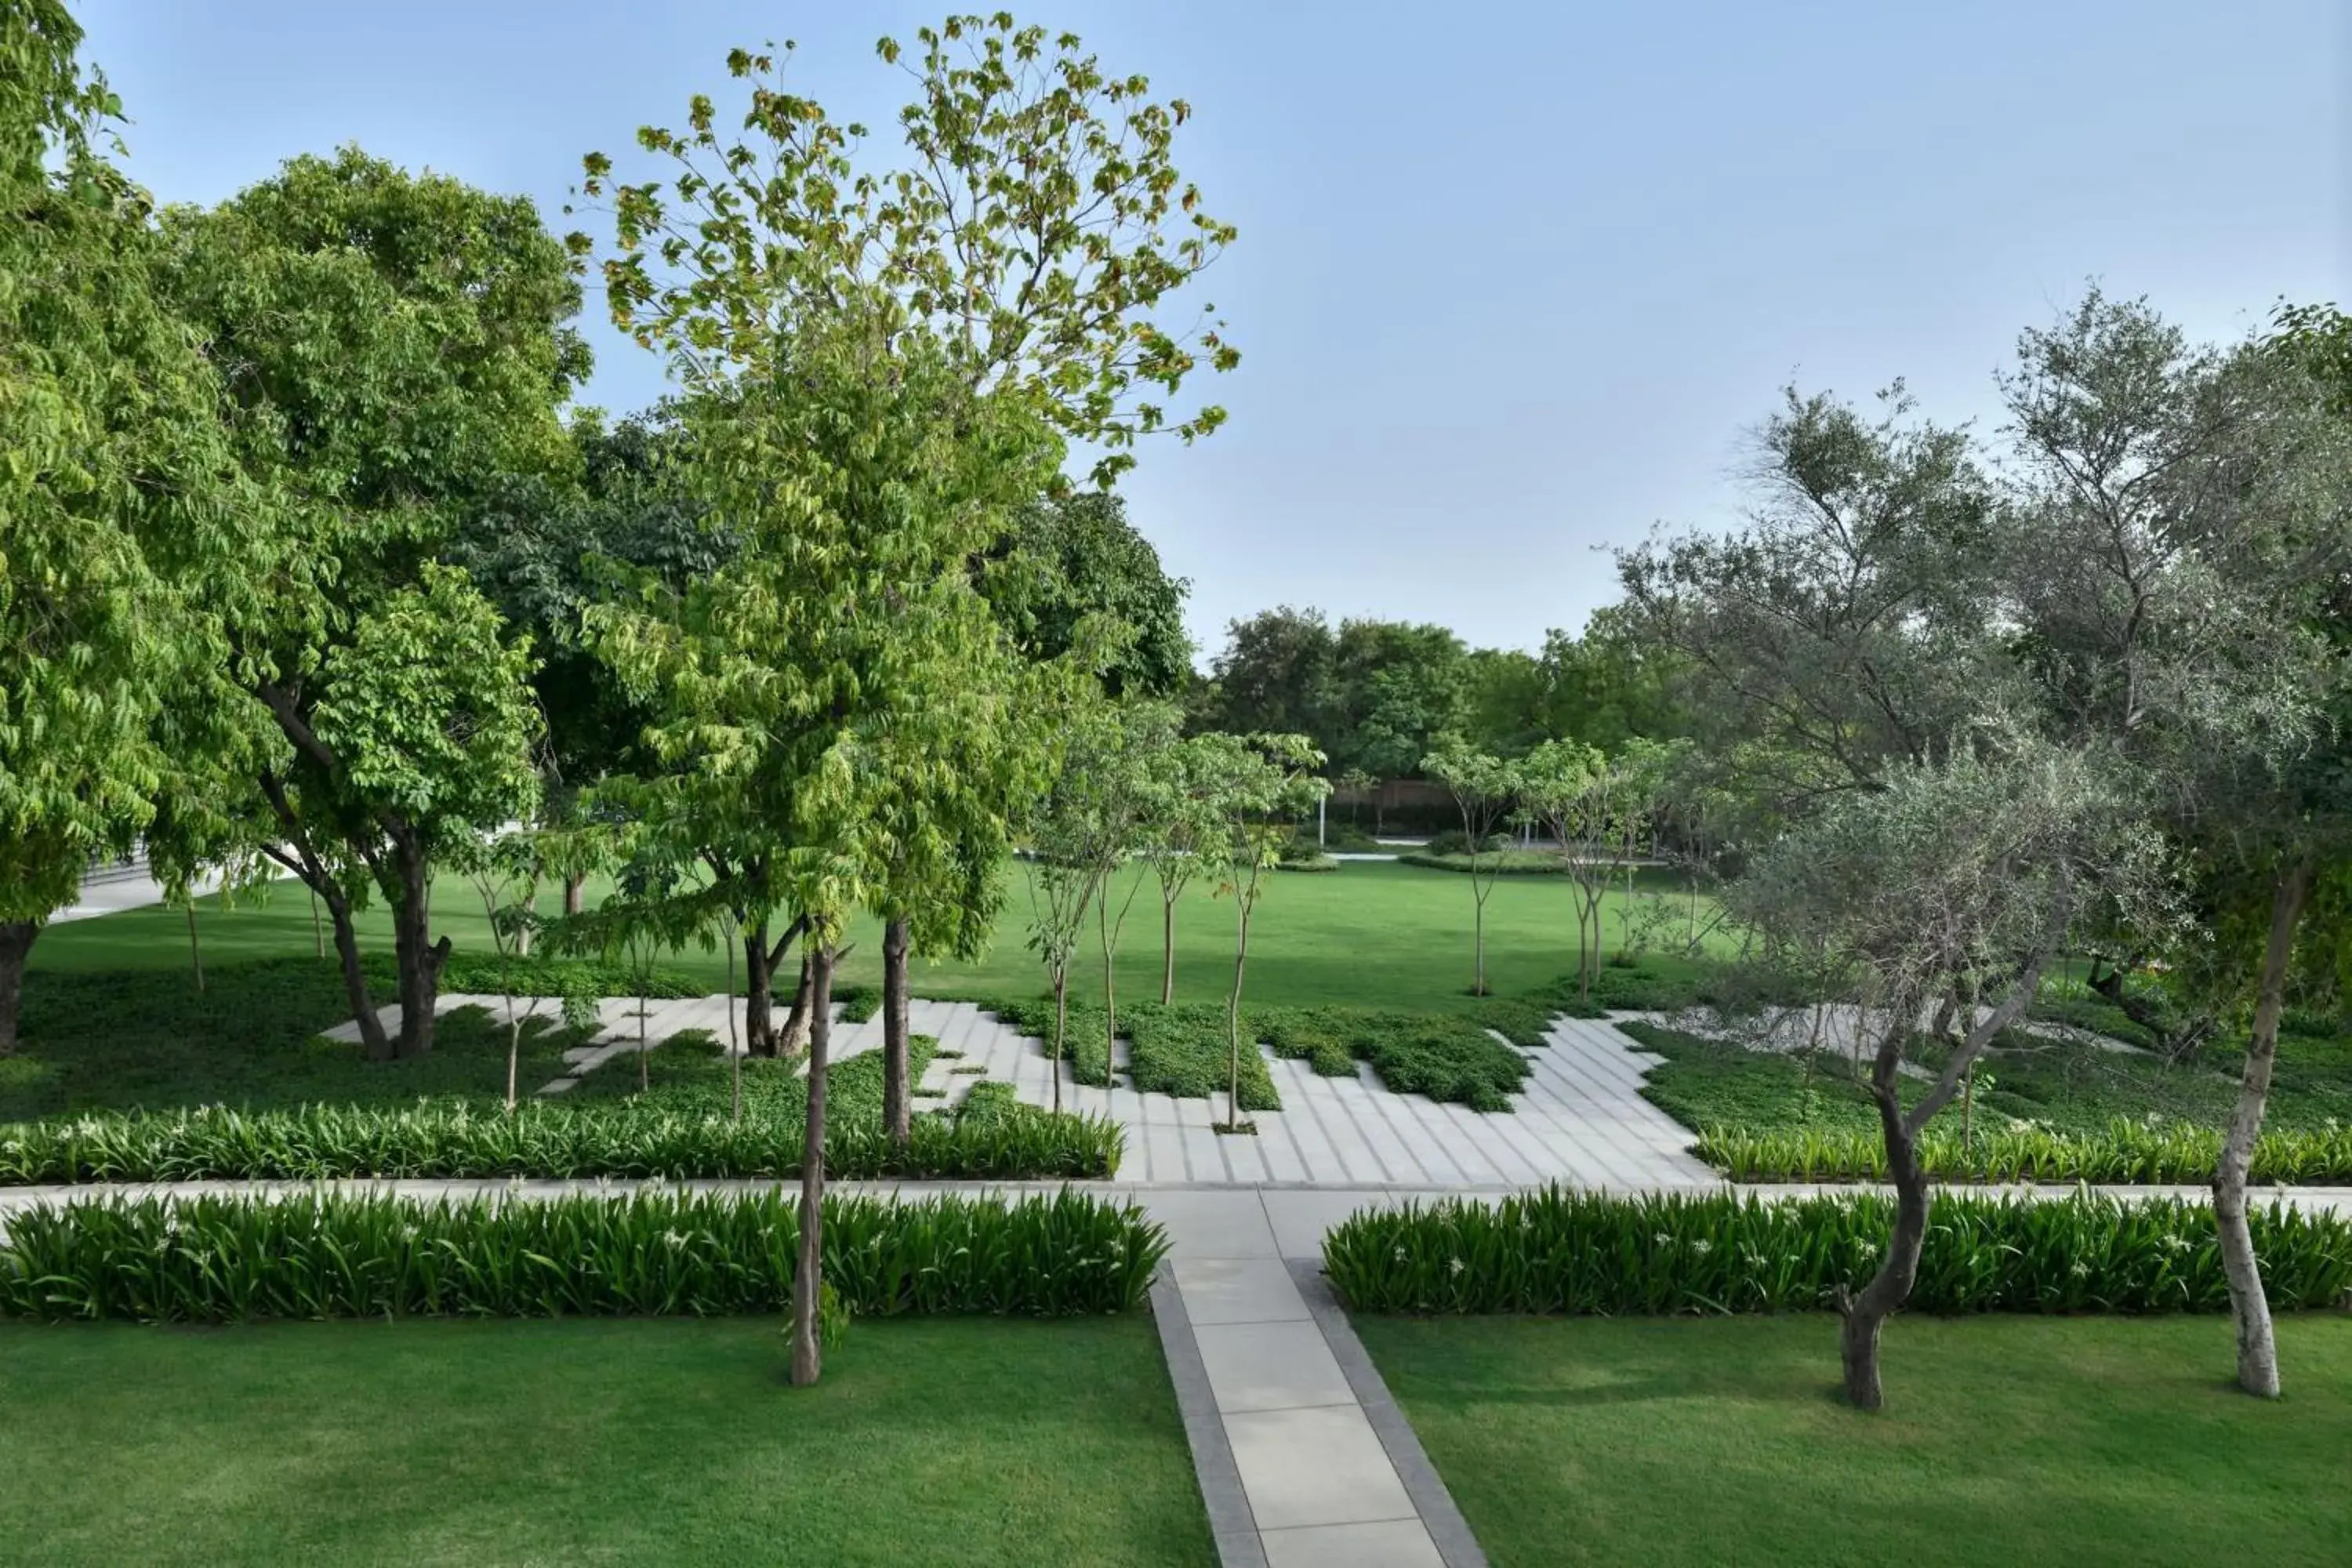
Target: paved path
(1581,1119)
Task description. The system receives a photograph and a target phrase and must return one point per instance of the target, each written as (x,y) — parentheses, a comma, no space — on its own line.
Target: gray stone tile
(1238,1291)
(1270,1366)
(1301,1217)
(1211,1224)
(1398,1544)
(1320,1466)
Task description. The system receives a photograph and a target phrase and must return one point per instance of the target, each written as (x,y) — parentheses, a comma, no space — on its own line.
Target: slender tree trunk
(376,1046)
(318,932)
(196,949)
(1866,1314)
(419,957)
(2257,1351)
(808,1277)
(645,1066)
(15,943)
(1061,1023)
(1110,997)
(1233,1027)
(792,1039)
(574,892)
(1166,951)
(1478,948)
(897,1116)
(734,1051)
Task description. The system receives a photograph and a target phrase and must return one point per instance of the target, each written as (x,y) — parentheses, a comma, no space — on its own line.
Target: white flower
(1453,1268)
(1702,1247)
(673,1240)
(1663,1239)
(2080,1271)
(408,1234)
(1400,1255)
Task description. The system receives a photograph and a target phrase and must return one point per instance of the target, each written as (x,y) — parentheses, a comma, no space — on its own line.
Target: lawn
(2082,1440)
(966,1441)
(1372,934)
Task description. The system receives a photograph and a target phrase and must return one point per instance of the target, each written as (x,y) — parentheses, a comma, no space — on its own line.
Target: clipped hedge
(2125,1152)
(216,1259)
(453,1139)
(1563,1251)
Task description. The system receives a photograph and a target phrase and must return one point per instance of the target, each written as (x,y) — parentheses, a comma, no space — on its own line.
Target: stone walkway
(1581,1119)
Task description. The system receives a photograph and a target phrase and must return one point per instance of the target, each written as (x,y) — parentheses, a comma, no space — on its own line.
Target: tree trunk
(574,892)
(514,1050)
(1166,951)
(2257,1353)
(1061,1025)
(15,943)
(1478,949)
(808,1277)
(1233,1028)
(318,932)
(1110,996)
(734,1052)
(375,1044)
(419,957)
(1866,1314)
(758,994)
(792,1039)
(897,1116)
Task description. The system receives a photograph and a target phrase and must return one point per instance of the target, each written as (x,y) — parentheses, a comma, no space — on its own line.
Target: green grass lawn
(1372,934)
(973,1441)
(2004,1440)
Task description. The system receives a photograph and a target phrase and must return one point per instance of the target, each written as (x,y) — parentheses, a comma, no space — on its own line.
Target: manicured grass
(1372,934)
(2084,1440)
(654,1441)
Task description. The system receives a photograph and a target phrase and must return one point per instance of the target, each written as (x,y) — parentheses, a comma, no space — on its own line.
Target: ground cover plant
(242,1448)
(652,1253)
(1656,1443)
(1565,1251)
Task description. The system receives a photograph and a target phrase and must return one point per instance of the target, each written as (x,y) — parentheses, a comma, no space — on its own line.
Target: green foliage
(543,975)
(1523,1021)
(1499,861)
(1074,557)
(1565,1251)
(858,1003)
(212,1259)
(441,1139)
(124,533)
(1179,1050)
(2123,1151)
(1293,861)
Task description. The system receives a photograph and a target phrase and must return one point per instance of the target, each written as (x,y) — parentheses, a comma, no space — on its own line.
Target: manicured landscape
(2079,1440)
(637,1441)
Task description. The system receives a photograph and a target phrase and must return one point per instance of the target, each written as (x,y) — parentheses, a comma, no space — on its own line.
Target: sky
(1513,282)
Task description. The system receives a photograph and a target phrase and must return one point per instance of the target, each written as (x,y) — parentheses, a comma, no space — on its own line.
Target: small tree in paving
(1564,789)
(1485,789)
(1067,863)
(505,869)
(1261,785)
(1184,821)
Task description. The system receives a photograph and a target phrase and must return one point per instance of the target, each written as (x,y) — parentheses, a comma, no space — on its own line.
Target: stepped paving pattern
(1581,1119)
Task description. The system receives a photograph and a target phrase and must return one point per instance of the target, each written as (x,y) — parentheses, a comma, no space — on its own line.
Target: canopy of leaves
(1076,556)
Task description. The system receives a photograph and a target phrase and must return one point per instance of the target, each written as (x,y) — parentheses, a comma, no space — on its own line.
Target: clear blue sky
(1513,278)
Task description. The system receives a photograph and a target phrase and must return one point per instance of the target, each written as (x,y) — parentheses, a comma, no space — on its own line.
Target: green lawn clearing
(2004,1440)
(659,1441)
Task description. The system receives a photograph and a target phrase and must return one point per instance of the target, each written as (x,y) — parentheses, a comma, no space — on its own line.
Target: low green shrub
(2126,1152)
(858,1002)
(1178,1050)
(453,1139)
(220,1259)
(485,974)
(1338,836)
(1521,1020)
(1499,863)
(1307,862)
(1564,1251)
(1454,841)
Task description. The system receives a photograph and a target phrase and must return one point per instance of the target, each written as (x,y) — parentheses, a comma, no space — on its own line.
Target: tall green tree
(1075,557)
(124,535)
(391,351)
(880,367)
(1485,791)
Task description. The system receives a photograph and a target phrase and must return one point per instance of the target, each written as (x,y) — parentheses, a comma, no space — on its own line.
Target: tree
(1564,786)
(1183,823)
(2184,534)
(1485,789)
(880,368)
(123,531)
(1968,873)
(1397,688)
(1273,675)
(391,354)
(1260,785)
(1076,556)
